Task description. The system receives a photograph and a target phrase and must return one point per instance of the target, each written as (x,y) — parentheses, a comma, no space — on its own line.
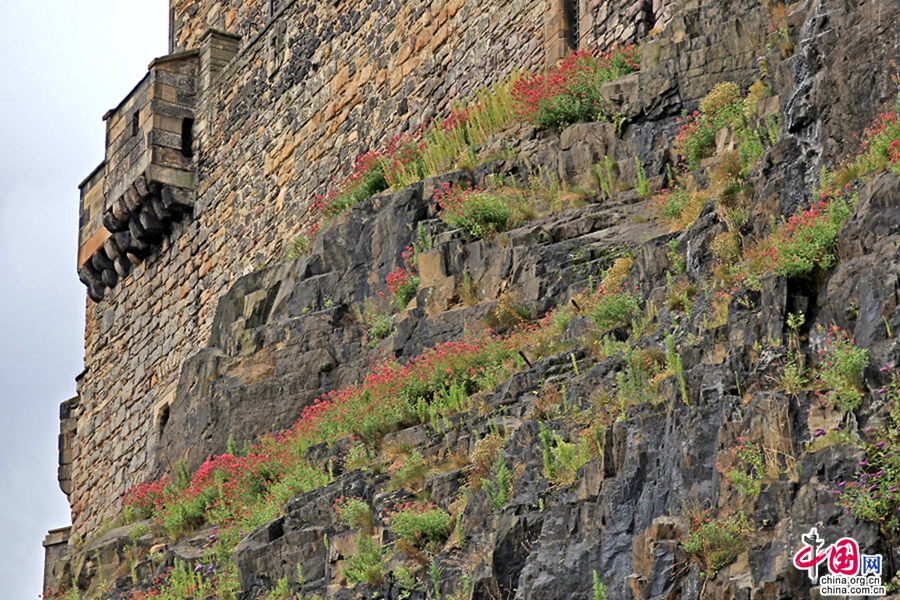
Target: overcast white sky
(63,64)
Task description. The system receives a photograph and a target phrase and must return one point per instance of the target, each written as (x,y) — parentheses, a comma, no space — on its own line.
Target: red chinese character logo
(844,557)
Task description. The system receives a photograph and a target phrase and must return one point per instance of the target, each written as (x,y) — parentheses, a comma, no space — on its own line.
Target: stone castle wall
(282,105)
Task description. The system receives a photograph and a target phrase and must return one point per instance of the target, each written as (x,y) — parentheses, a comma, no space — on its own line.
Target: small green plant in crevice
(599,590)
(641,184)
(841,365)
(716,542)
(676,259)
(794,377)
(746,476)
(407,469)
(281,591)
(484,458)
(426,527)
(637,379)
(467,290)
(607,174)
(562,459)
(353,512)
(675,366)
(434,574)
(499,485)
(367,565)
(378,325)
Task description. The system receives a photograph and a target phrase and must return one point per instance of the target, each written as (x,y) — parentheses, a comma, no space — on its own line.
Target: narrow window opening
(163,420)
(271,8)
(575,15)
(187,137)
(135,124)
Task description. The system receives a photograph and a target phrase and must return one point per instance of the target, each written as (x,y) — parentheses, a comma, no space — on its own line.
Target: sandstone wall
(306,93)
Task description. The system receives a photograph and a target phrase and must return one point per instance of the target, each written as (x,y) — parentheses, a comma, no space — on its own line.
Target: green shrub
(367,566)
(499,486)
(841,365)
(696,139)
(873,495)
(425,527)
(354,512)
(717,542)
(563,459)
(477,211)
(614,309)
(747,475)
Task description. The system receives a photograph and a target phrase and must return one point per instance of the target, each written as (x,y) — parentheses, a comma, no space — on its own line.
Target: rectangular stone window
(187,137)
(135,123)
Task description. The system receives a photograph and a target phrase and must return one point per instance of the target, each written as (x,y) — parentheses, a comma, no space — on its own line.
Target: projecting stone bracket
(134,225)
(146,182)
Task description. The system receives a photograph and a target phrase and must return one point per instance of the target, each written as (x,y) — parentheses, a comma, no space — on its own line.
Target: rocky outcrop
(285,335)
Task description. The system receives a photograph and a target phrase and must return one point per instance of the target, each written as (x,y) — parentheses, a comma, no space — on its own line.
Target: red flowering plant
(805,241)
(403,282)
(881,144)
(745,468)
(570,92)
(366,177)
(403,164)
(477,211)
(387,398)
(353,512)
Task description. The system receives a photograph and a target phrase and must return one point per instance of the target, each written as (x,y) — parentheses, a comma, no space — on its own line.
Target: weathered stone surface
(237,350)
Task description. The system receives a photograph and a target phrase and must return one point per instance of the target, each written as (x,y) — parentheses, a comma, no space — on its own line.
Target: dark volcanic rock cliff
(286,334)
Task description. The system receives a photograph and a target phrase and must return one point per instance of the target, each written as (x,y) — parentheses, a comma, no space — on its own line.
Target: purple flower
(198,567)
(760,59)
(820,432)
(211,568)
(886,368)
(863,463)
(879,445)
(879,473)
(836,493)
(881,391)
(836,428)
(842,484)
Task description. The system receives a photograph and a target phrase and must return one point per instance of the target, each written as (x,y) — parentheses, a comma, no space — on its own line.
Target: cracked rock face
(285,335)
